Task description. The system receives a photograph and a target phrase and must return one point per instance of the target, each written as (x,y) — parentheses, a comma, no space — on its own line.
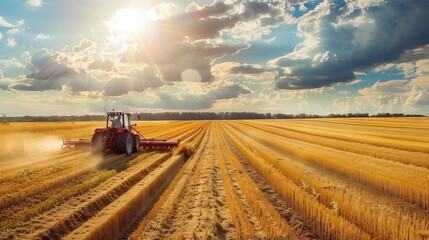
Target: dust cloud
(24,145)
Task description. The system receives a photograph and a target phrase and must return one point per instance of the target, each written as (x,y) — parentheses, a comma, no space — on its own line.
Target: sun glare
(128,24)
(127,21)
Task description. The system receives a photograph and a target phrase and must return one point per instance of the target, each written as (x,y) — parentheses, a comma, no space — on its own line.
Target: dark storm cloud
(136,82)
(354,39)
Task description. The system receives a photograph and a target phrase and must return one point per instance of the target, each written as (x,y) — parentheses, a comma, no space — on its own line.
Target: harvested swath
(161,213)
(128,207)
(36,185)
(243,227)
(114,189)
(273,224)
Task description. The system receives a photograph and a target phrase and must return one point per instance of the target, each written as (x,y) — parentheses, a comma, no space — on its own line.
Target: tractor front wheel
(124,143)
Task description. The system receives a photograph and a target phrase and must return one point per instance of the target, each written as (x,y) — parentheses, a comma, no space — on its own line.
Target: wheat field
(352,178)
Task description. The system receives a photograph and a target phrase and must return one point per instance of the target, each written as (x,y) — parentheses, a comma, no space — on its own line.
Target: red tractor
(119,135)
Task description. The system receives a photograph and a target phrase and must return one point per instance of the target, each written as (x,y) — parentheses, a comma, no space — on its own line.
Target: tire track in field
(270,207)
(166,207)
(197,208)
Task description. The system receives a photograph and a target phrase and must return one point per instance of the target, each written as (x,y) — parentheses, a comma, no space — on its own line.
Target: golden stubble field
(251,179)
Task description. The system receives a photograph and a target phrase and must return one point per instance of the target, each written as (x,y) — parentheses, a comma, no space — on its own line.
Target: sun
(126,21)
(128,24)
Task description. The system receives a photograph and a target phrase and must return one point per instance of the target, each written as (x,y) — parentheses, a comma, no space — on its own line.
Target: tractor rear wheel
(97,144)
(124,143)
(136,143)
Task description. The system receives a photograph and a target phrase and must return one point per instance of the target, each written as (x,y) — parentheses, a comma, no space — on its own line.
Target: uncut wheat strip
(124,211)
(273,224)
(244,229)
(404,170)
(186,133)
(324,222)
(169,200)
(356,136)
(70,217)
(353,206)
(175,133)
(416,124)
(393,181)
(162,131)
(380,127)
(407,157)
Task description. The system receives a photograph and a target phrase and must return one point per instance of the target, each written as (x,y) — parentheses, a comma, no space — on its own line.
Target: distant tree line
(198,116)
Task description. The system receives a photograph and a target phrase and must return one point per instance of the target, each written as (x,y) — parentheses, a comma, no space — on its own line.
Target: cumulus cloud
(407,96)
(195,42)
(11,42)
(174,58)
(4,85)
(137,81)
(249,69)
(42,36)
(34,3)
(11,62)
(187,101)
(257,18)
(5,23)
(49,73)
(102,64)
(1,36)
(83,45)
(14,31)
(343,37)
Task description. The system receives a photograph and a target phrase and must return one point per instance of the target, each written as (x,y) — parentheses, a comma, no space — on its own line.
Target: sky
(61,57)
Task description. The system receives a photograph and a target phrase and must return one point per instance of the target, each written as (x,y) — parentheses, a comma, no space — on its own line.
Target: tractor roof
(117,113)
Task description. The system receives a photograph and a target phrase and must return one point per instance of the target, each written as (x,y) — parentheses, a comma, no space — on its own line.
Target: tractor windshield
(114,121)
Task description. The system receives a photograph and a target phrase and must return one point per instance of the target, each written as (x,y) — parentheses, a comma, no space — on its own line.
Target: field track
(246,179)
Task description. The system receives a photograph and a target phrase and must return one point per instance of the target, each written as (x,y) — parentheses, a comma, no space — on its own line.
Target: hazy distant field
(277,179)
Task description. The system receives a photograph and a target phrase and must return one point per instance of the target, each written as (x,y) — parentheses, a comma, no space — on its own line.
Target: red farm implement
(119,135)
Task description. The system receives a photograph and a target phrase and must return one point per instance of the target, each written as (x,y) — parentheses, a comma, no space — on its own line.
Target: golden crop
(248,179)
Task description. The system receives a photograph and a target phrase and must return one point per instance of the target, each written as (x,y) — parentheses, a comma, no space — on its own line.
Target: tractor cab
(117,120)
